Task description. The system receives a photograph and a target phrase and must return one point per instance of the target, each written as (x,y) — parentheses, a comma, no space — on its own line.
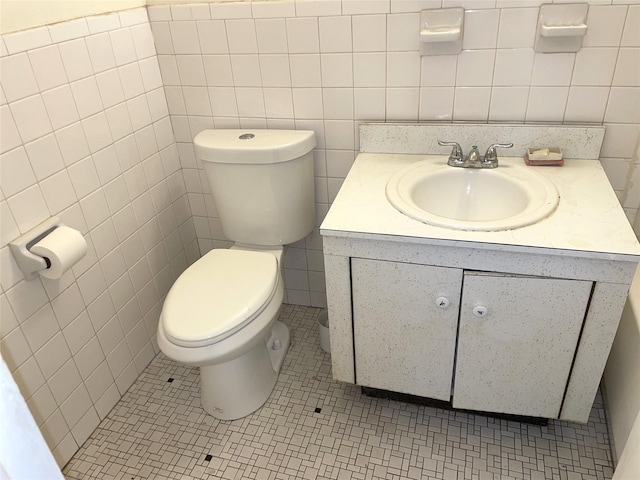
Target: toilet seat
(218,295)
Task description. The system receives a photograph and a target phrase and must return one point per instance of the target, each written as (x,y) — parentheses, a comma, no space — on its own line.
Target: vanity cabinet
(550,293)
(487,341)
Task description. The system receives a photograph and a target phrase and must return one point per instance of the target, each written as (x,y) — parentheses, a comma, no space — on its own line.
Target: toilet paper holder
(28,262)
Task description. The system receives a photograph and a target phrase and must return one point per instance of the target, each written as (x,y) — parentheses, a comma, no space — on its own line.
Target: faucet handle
(491,155)
(456,151)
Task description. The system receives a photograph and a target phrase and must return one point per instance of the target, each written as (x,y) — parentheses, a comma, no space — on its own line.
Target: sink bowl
(503,198)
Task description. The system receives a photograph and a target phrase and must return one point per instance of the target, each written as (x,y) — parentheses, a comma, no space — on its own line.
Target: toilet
(221,313)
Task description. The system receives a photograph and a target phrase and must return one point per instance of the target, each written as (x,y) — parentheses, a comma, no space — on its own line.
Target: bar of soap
(552,153)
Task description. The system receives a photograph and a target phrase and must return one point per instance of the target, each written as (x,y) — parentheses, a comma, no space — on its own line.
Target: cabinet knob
(442,302)
(480,311)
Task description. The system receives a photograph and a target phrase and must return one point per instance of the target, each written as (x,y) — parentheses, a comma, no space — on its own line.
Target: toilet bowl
(221,313)
(240,349)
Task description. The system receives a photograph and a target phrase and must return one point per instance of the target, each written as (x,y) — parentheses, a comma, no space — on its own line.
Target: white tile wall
(90,109)
(86,136)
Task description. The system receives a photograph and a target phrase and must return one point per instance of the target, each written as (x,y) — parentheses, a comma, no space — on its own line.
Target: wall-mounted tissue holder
(48,249)
(441,31)
(561,27)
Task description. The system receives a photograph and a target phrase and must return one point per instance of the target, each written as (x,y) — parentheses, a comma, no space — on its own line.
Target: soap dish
(544,156)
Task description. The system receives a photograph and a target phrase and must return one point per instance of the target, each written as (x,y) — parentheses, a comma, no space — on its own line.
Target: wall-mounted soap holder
(441,31)
(561,27)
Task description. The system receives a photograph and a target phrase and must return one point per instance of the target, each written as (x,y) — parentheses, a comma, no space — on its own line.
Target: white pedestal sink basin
(503,198)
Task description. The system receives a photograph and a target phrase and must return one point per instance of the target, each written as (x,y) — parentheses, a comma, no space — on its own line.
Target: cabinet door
(516,356)
(404,340)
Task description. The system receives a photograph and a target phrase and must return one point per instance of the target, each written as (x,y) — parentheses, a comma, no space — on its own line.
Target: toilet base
(236,388)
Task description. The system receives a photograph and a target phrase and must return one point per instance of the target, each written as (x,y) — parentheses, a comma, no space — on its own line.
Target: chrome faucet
(474,159)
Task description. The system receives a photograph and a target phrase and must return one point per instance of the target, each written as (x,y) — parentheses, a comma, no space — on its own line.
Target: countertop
(588,222)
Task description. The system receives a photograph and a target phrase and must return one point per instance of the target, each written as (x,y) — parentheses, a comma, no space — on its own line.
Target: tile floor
(315,428)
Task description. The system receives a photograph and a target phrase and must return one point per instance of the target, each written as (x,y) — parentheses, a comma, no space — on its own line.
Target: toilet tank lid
(253,146)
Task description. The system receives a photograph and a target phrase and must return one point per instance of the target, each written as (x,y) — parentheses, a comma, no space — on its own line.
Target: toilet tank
(262,183)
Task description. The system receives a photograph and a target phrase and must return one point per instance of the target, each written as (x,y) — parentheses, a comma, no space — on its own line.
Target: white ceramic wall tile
(110,88)
(275,70)
(213,36)
(230,10)
(61,106)
(403,31)
(101,52)
(369,69)
(47,67)
(302,35)
(119,121)
(17,77)
(271,35)
(623,105)
(369,103)
(246,70)
(438,70)
(471,103)
(605,26)
(16,171)
(278,102)
(369,33)
(403,103)
(250,102)
(87,97)
(132,17)
(631,32)
(436,103)
(184,38)
(627,72)
(335,34)
(584,72)
(241,35)
(143,41)
(305,70)
(97,133)
(513,67)
(508,104)
(275,9)
(9,136)
(552,70)
(336,69)
(480,29)
(75,58)
(586,104)
(547,104)
(71,30)
(338,103)
(191,70)
(517,27)
(45,156)
(317,8)
(475,68)
(131,80)
(365,7)
(403,69)
(58,192)
(103,23)
(27,40)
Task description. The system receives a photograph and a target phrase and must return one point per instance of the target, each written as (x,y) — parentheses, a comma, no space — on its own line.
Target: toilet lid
(218,295)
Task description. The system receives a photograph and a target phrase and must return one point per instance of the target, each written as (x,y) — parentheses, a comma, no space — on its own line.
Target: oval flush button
(246,136)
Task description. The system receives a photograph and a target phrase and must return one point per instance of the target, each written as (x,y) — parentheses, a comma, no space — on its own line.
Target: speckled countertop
(588,222)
